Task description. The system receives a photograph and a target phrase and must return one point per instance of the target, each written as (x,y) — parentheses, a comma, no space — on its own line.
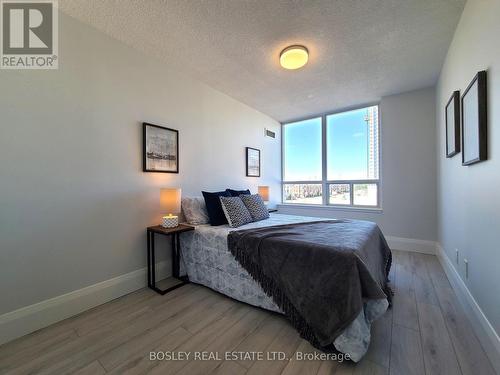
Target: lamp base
(170,221)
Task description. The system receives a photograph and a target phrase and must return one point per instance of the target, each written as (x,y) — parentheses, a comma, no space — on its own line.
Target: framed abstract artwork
(253,162)
(474,121)
(452,117)
(160,151)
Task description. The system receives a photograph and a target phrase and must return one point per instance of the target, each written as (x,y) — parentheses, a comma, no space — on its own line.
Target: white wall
(468,200)
(408,170)
(74,202)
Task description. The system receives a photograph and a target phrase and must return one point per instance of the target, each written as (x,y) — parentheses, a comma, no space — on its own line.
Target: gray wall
(74,202)
(468,200)
(408,169)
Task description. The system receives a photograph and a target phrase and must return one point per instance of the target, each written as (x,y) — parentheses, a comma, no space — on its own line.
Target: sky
(346,152)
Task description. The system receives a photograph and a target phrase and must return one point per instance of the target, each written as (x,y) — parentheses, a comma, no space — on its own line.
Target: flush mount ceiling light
(294,57)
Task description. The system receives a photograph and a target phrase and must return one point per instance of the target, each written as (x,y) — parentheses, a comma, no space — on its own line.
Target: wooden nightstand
(176,252)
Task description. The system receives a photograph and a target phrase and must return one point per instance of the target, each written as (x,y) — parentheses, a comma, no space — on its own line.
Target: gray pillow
(255,205)
(194,210)
(235,211)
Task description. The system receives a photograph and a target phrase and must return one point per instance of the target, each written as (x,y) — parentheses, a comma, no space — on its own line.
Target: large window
(333,159)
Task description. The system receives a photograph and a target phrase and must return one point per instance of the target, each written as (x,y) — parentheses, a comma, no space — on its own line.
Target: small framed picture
(452,114)
(474,118)
(160,149)
(253,162)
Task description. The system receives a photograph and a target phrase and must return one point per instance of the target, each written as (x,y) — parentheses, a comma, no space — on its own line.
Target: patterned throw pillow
(194,210)
(235,211)
(255,205)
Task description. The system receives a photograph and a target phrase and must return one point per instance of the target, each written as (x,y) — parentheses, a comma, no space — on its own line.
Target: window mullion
(323,161)
(351,193)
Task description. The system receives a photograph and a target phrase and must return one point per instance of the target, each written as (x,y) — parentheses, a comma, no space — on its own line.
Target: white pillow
(194,210)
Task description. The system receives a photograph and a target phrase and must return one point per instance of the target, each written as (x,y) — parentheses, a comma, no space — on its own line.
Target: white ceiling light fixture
(294,57)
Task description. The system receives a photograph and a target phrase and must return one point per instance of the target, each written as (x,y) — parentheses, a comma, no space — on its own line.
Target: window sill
(322,207)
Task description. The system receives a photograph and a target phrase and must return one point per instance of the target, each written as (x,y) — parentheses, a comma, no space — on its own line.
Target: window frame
(325,183)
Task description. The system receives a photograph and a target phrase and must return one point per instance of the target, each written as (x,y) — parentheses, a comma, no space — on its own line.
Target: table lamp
(264,193)
(170,203)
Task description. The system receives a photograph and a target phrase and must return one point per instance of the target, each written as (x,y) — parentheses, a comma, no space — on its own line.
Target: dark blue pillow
(237,193)
(214,207)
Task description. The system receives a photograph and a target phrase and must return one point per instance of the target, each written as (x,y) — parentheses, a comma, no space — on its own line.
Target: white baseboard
(410,244)
(482,327)
(30,318)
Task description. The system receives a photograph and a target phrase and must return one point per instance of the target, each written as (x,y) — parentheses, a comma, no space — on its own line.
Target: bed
(207,261)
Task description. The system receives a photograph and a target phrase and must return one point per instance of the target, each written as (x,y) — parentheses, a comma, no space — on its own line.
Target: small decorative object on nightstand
(170,203)
(176,252)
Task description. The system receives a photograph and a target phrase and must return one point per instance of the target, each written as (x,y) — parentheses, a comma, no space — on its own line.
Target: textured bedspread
(207,261)
(318,273)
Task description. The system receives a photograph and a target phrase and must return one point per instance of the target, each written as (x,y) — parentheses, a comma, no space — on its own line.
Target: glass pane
(303,193)
(340,194)
(352,145)
(365,195)
(302,150)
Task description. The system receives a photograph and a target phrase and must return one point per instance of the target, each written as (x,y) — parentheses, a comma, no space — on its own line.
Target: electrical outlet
(466,262)
(456,255)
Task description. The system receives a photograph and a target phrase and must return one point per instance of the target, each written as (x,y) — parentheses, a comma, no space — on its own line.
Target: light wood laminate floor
(426,332)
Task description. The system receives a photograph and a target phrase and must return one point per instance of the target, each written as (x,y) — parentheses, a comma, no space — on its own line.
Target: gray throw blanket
(318,273)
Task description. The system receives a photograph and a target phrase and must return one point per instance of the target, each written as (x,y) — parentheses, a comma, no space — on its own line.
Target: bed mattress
(207,261)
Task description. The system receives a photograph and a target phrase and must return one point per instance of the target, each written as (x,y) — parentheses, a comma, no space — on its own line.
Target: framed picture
(452,114)
(474,138)
(160,149)
(253,162)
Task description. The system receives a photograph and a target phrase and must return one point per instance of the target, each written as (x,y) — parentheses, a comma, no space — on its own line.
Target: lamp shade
(264,192)
(170,200)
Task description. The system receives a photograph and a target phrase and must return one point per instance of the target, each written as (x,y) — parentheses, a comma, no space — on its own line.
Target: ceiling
(359,50)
